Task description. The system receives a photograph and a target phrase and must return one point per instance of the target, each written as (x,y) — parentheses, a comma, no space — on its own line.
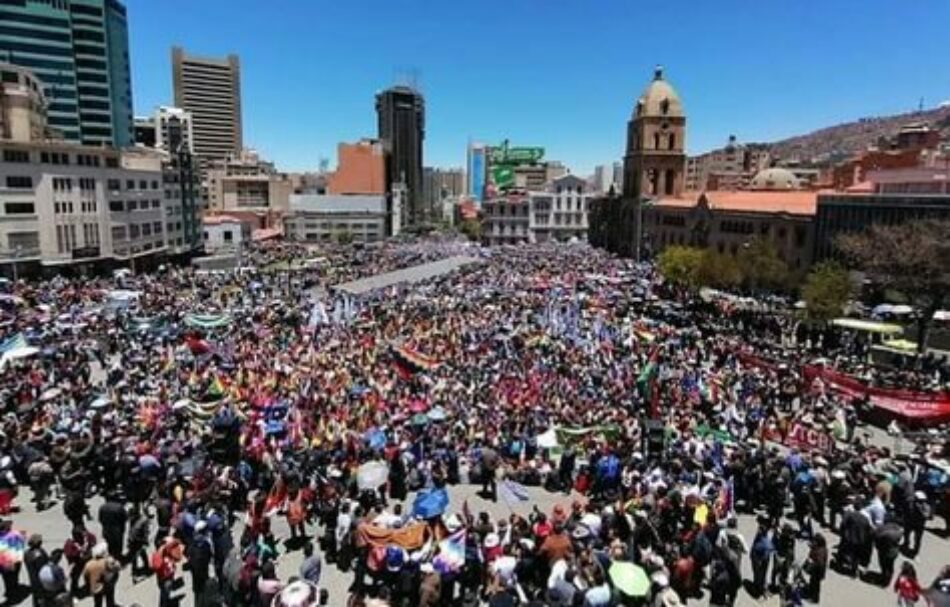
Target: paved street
(413,274)
(837,590)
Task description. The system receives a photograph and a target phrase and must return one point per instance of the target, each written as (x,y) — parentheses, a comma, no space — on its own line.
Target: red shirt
(907,588)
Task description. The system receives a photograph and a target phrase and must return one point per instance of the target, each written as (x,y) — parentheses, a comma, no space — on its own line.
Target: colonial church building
(653,211)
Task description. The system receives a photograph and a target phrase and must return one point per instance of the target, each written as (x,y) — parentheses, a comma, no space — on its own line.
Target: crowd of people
(182,420)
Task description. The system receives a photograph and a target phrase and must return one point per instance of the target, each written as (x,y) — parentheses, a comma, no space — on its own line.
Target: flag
(14,342)
(647,374)
(725,501)
(451,555)
(13,546)
(216,388)
(512,492)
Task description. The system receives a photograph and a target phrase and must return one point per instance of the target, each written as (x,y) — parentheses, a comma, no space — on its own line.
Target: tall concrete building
(79,50)
(210,89)
(401,120)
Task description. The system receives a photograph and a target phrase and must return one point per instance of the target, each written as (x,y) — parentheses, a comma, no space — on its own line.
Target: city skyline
(760,72)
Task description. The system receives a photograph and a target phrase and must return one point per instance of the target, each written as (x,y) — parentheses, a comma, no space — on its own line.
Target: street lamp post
(16,254)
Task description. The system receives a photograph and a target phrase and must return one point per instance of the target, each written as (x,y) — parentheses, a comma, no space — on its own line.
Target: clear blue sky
(562,74)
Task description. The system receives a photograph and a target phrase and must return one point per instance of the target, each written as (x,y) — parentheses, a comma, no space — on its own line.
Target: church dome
(659,99)
(774,179)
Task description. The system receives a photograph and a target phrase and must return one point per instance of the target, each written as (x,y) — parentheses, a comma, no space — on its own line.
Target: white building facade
(62,204)
(558,213)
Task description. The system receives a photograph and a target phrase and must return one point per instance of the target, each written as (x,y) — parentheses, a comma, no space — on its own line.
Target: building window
(19,208)
(20,182)
(129,184)
(656,141)
(118,233)
(157,227)
(16,156)
(114,185)
(134,230)
(132,205)
(116,206)
(672,141)
(18,242)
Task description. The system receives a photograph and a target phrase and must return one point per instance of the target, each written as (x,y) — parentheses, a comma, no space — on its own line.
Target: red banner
(918,407)
(801,436)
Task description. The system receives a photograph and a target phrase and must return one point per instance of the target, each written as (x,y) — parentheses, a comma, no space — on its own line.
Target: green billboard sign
(504,154)
(503,176)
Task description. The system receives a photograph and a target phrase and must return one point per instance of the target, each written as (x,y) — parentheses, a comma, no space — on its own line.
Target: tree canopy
(826,291)
(912,258)
(761,266)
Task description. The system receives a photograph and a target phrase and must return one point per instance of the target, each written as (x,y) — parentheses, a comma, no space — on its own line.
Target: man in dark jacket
(917,517)
(34,559)
(112,517)
(199,555)
(887,540)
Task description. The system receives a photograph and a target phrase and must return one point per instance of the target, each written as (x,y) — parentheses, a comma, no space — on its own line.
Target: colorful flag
(12,548)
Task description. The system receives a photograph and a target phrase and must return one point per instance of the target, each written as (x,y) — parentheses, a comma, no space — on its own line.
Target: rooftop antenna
(409,77)
(920,105)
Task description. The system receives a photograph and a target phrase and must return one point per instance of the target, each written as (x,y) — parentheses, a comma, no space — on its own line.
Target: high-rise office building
(475,173)
(79,50)
(401,118)
(210,89)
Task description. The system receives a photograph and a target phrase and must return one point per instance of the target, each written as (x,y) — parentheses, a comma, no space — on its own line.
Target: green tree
(912,258)
(761,267)
(472,228)
(826,291)
(719,270)
(344,237)
(681,265)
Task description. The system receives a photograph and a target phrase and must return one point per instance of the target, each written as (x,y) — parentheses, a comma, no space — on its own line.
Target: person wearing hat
(100,575)
(918,514)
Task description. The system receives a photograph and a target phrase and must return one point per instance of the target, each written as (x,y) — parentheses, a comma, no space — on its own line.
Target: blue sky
(563,74)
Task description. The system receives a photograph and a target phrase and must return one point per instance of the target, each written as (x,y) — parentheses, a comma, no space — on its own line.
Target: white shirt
(504,568)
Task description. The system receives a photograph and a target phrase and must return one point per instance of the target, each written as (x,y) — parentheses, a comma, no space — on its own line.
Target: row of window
(119,206)
(20,182)
(115,185)
(60,158)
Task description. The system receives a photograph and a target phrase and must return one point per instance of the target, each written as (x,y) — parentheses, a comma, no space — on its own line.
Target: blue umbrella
(430,503)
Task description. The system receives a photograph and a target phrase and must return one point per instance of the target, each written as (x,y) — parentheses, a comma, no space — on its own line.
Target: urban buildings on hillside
(731,167)
(782,205)
(914,145)
(245,183)
(79,51)
(400,112)
(361,169)
(558,212)
(210,90)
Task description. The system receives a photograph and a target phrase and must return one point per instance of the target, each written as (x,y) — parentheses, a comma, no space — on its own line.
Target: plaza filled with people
(549,425)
